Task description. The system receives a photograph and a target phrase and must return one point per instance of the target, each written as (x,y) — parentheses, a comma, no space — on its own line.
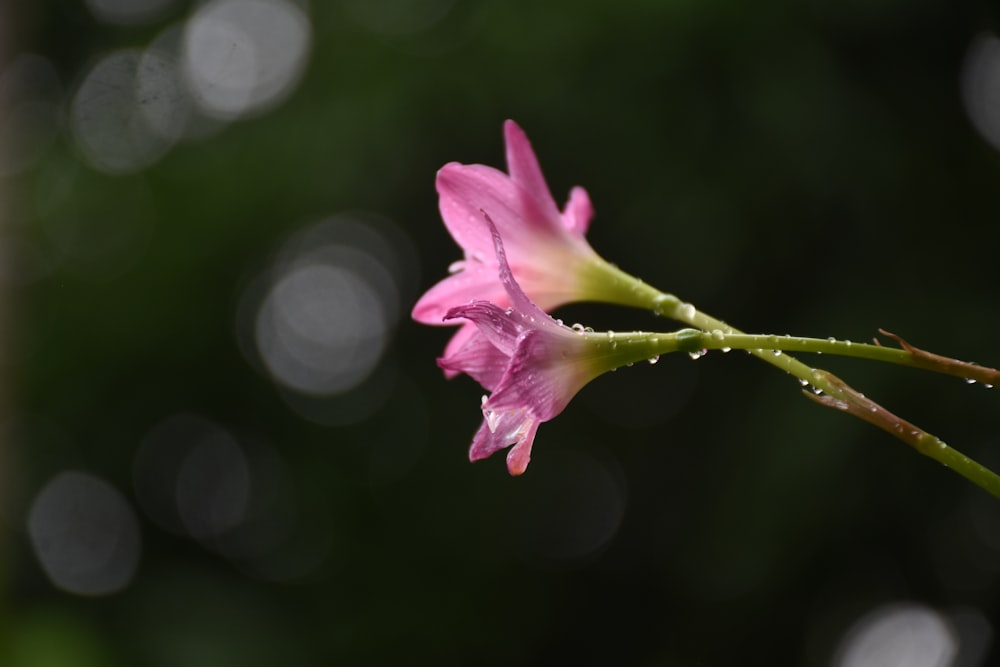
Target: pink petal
(464,336)
(475,281)
(494,436)
(579,211)
(535,381)
(523,306)
(520,454)
(514,428)
(465,191)
(495,323)
(480,360)
(460,215)
(522,164)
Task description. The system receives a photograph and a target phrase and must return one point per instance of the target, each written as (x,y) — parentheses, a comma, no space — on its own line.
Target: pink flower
(532,364)
(547,250)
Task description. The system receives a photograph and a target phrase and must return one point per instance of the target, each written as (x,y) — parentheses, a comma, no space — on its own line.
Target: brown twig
(941,364)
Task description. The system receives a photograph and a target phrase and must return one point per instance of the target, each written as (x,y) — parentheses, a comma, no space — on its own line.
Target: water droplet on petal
(577,327)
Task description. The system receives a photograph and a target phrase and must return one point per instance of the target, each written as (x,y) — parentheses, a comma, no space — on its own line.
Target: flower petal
(475,281)
(480,360)
(522,164)
(511,428)
(523,307)
(538,379)
(467,190)
(520,454)
(578,212)
(495,323)
(465,334)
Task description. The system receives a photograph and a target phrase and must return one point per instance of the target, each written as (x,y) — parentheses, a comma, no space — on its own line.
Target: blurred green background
(225,443)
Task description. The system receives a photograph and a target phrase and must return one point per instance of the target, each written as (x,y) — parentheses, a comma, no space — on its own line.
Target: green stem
(907,356)
(832,392)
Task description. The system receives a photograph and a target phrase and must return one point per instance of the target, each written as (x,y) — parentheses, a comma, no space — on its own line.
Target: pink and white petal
(466,333)
(480,360)
(524,307)
(465,191)
(460,215)
(497,325)
(520,454)
(475,281)
(498,431)
(579,211)
(522,164)
(484,443)
(537,378)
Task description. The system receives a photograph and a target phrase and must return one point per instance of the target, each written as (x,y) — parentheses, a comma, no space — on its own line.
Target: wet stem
(827,389)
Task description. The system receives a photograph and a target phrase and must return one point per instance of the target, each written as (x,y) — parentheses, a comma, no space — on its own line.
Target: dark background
(817,168)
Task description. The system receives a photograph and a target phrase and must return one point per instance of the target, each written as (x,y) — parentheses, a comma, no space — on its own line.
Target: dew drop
(509,311)
(847,343)
(717,334)
(726,349)
(653,360)
(803,382)
(776,353)
(987,385)
(577,327)
(611,335)
(658,304)
(970,381)
(817,391)
(697,355)
(831,339)
(687,311)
